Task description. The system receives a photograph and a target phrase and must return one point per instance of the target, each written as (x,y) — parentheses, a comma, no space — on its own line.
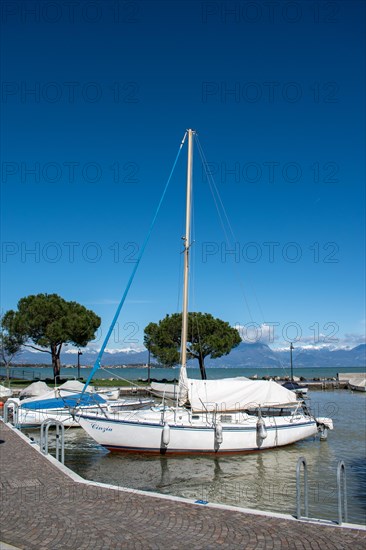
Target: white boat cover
(166,390)
(183,385)
(34,389)
(5,392)
(75,386)
(171,390)
(69,388)
(236,394)
(358,382)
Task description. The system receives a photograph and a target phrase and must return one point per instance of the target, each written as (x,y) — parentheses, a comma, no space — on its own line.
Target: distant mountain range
(254,355)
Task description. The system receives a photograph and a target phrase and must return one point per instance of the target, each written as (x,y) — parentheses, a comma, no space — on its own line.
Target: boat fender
(261,429)
(166,434)
(218,433)
(323,430)
(326,422)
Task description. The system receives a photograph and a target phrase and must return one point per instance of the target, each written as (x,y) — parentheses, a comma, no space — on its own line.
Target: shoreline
(329,378)
(141,385)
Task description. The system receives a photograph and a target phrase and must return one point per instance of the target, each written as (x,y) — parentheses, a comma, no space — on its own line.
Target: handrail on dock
(60,442)
(15,408)
(302,462)
(342,494)
(341,475)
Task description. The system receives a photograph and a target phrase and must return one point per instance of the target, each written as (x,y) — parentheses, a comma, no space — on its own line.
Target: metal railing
(60,441)
(14,407)
(341,491)
(341,475)
(302,462)
(45,426)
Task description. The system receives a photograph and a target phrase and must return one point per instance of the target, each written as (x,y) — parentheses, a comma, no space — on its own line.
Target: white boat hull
(357,387)
(147,436)
(357,383)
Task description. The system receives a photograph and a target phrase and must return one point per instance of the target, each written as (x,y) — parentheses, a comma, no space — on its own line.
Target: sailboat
(57,404)
(208,416)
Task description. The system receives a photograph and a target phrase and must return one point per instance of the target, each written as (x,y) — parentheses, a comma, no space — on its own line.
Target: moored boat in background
(60,403)
(358,383)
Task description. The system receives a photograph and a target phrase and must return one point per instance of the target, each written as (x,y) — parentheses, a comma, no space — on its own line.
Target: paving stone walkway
(44,509)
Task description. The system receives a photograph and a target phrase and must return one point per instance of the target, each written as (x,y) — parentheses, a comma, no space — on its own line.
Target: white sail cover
(74,386)
(170,391)
(34,390)
(69,388)
(237,394)
(5,392)
(183,385)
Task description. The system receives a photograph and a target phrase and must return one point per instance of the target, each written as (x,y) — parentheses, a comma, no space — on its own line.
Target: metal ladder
(45,426)
(15,407)
(342,502)
(341,475)
(60,441)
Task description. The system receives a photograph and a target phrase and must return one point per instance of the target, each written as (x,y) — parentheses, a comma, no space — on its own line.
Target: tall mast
(291,366)
(186,240)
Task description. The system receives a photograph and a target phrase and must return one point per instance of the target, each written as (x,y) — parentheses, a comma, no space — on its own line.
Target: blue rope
(115,318)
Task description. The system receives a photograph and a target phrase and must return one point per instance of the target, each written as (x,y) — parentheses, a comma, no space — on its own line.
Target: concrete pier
(45,506)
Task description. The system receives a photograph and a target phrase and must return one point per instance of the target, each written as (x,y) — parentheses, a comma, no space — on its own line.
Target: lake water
(263,480)
(136,373)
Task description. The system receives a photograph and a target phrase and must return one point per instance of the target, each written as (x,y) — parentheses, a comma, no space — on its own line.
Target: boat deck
(44,506)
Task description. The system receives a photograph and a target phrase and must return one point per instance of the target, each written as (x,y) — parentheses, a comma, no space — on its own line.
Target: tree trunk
(56,364)
(202,367)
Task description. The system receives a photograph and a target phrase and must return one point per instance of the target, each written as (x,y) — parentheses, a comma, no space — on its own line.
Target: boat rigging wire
(218,202)
(224,218)
(147,238)
(134,384)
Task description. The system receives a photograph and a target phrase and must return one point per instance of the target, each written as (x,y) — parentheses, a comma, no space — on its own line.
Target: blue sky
(95,100)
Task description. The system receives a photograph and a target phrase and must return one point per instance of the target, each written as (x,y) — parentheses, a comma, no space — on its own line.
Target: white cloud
(253,333)
(32,350)
(355,339)
(272,335)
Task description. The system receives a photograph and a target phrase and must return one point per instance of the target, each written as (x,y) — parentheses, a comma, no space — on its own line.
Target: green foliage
(10,342)
(207,336)
(49,321)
